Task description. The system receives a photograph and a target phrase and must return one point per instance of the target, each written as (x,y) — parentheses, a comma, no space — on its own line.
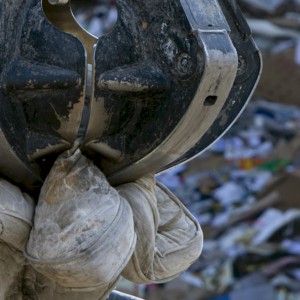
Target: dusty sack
(83,234)
(169,238)
(16,215)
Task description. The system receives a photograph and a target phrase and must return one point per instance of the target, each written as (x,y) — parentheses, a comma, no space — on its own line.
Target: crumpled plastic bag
(16,215)
(83,234)
(169,238)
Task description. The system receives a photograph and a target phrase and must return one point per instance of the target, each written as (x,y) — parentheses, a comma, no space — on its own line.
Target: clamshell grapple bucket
(159,88)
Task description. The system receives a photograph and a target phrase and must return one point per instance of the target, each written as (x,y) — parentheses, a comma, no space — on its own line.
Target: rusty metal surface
(159,88)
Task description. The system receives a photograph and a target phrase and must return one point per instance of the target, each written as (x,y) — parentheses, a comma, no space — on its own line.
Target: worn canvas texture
(86,233)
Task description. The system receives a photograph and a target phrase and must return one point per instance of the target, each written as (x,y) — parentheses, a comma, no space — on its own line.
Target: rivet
(184,62)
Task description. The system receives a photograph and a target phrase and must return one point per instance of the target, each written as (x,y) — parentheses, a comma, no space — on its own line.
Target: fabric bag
(83,234)
(169,238)
(16,215)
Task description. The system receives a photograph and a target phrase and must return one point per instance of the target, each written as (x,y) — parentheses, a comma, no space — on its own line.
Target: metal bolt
(184,62)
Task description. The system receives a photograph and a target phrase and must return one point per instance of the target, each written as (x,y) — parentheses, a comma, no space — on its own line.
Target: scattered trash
(243,191)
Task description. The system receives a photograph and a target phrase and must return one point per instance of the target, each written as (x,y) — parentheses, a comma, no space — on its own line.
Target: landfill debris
(95,16)
(244,192)
(266,7)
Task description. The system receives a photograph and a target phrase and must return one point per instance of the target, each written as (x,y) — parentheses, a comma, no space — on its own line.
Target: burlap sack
(169,238)
(16,215)
(83,234)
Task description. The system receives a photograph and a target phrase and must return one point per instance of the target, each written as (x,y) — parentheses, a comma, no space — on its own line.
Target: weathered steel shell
(159,88)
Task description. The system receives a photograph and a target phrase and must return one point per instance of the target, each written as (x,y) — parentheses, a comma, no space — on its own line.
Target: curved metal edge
(60,14)
(179,163)
(197,149)
(218,77)
(121,296)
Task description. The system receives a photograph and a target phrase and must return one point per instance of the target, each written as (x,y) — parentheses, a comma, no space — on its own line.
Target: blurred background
(245,189)
(96,16)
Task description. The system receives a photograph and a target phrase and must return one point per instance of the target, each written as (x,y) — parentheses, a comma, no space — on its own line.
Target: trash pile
(269,8)
(276,28)
(243,191)
(95,16)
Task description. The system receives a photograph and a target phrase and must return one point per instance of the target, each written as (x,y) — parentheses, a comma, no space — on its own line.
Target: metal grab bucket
(159,88)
